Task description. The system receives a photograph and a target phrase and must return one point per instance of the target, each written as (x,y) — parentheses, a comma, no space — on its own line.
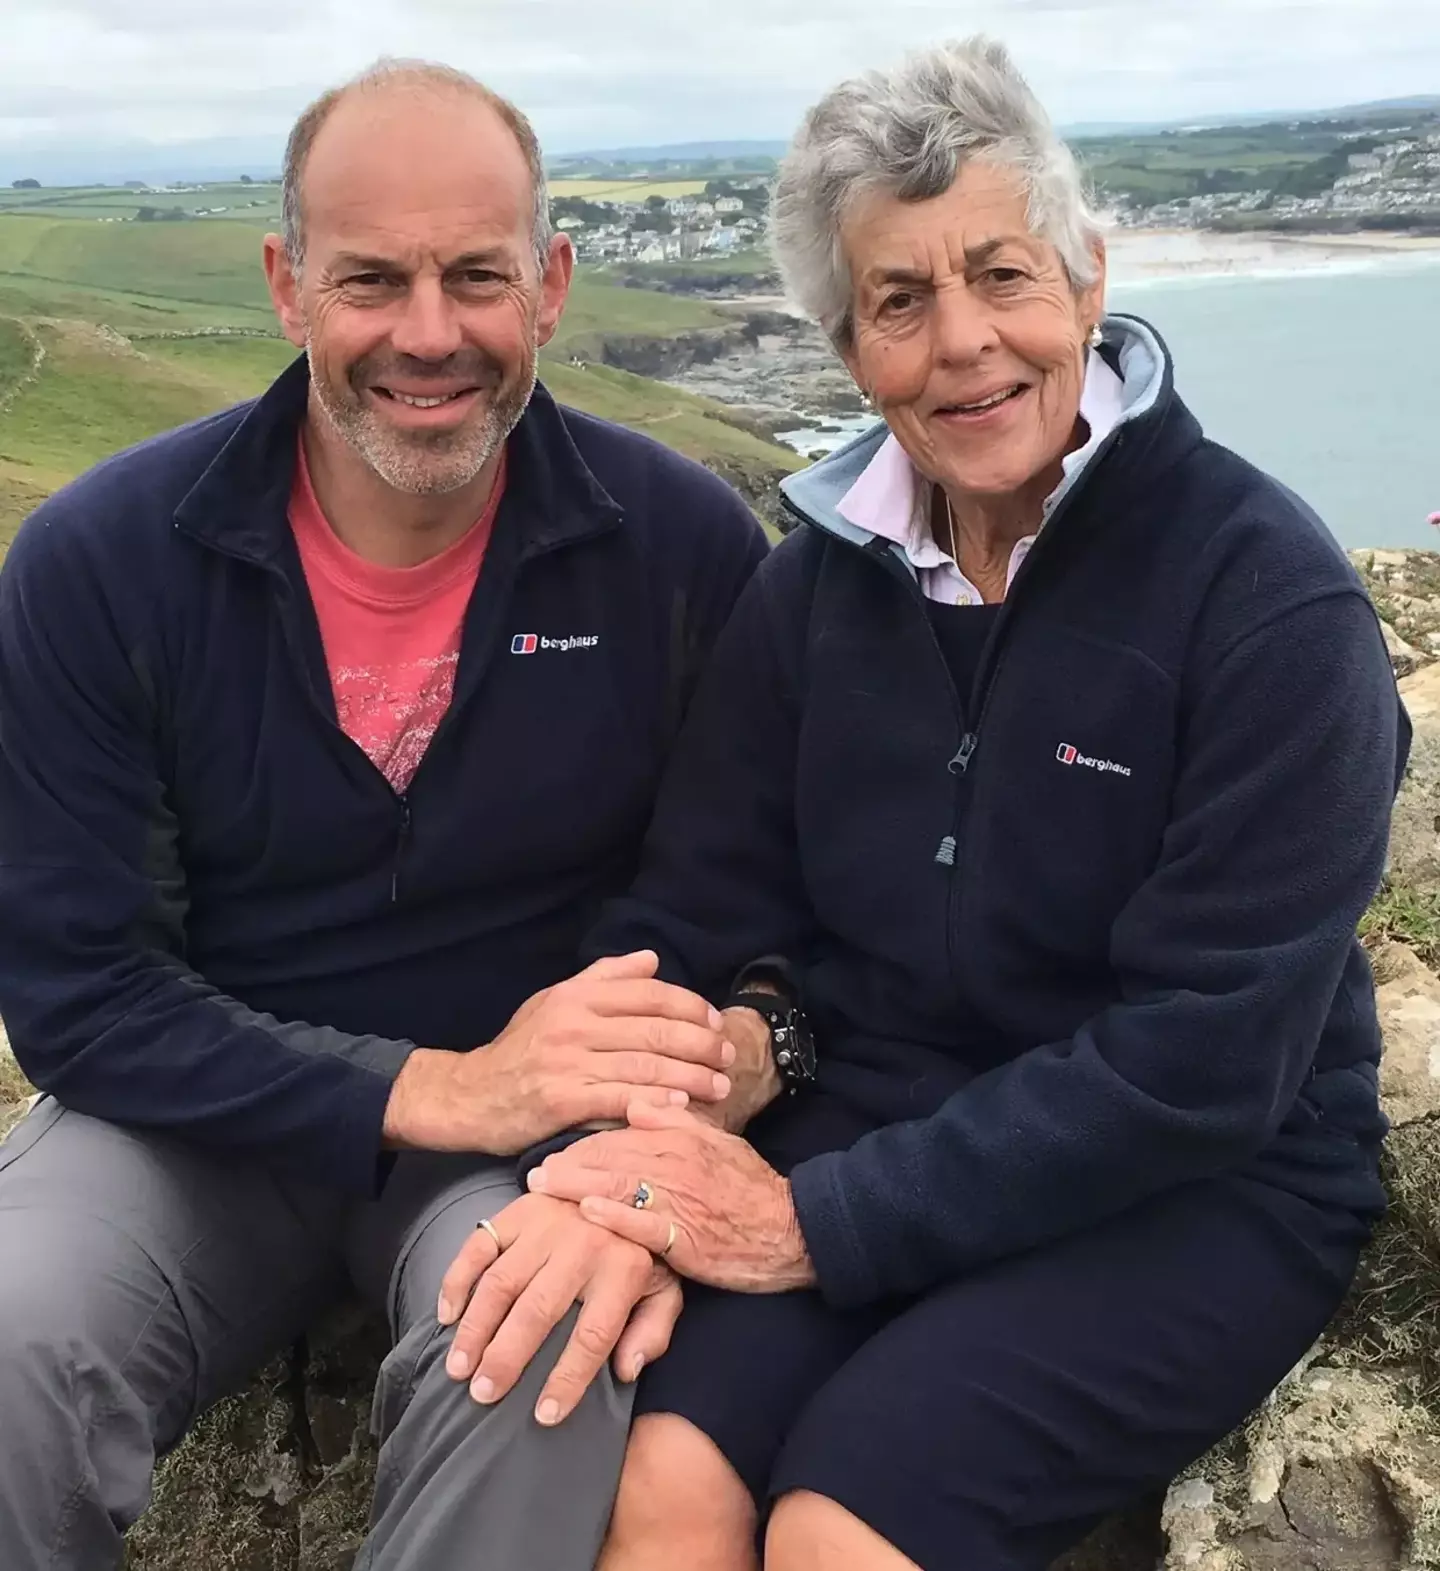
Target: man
(326,724)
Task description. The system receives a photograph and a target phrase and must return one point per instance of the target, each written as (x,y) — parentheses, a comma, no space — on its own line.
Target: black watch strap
(770,972)
(791,1044)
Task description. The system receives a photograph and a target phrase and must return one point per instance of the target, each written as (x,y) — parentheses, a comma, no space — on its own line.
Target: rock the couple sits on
(966,894)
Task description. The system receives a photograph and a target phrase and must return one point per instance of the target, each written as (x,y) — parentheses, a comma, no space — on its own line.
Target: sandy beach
(1139,254)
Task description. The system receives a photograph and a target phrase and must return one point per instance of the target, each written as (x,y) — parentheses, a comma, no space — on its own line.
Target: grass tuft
(1407,916)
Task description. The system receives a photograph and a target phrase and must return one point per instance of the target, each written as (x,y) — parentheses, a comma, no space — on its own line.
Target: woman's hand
(733,1219)
(505,1299)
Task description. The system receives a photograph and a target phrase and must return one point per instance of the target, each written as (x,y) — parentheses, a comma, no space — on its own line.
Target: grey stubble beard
(408,463)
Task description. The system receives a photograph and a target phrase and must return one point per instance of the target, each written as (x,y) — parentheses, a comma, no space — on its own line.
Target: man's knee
(454,1473)
(676,1488)
(414,1380)
(64,1297)
(87,1381)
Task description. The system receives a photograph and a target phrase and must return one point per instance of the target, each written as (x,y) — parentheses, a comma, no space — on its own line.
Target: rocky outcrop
(1405,586)
(759,484)
(645,354)
(1340,1471)
(1415,833)
(15,1091)
(704,283)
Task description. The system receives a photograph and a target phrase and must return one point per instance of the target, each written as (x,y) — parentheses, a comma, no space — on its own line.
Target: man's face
(419,298)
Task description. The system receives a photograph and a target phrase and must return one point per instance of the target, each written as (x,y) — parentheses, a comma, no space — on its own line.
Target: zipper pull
(961,761)
(945,856)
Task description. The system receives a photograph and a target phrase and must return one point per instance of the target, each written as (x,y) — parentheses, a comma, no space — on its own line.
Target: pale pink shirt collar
(892,500)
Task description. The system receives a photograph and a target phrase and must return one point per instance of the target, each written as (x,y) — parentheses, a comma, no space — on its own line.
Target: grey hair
(908,131)
(424,75)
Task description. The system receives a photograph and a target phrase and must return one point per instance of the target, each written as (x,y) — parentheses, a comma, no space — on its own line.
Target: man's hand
(754,1079)
(578,1053)
(553,1258)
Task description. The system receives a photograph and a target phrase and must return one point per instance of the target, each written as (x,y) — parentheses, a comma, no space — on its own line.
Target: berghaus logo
(539,643)
(1066,754)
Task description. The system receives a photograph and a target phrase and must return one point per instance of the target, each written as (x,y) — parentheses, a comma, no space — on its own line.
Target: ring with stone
(644,1196)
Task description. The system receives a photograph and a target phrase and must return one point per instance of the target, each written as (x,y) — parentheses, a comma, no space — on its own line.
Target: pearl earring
(1097,336)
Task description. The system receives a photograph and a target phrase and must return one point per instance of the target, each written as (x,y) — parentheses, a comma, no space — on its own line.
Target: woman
(1054,753)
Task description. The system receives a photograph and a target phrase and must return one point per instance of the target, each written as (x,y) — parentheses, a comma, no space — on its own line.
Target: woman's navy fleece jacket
(1088,931)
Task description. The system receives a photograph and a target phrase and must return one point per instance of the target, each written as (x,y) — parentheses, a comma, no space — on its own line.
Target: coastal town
(1385,178)
(723,218)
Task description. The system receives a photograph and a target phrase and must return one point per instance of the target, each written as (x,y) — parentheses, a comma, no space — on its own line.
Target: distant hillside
(1096,129)
(674,152)
(227,158)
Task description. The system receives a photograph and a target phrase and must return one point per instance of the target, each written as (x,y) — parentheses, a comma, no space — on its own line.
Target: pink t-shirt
(391,634)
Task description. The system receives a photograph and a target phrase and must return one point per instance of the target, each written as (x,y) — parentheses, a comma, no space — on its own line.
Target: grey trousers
(142,1278)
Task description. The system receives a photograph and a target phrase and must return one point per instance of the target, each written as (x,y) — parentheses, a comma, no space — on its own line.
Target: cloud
(594,74)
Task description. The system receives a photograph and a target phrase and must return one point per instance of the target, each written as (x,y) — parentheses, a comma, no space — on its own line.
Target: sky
(607,73)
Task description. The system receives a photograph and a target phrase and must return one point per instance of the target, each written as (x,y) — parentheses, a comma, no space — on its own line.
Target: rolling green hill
(16,353)
(126,316)
(207,273)
(206,263)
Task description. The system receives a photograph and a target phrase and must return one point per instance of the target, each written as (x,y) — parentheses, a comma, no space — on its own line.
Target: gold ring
(670,1241)
(644,1196)
(487,1226)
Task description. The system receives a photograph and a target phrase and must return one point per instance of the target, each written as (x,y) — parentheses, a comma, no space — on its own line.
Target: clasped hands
(612,1041)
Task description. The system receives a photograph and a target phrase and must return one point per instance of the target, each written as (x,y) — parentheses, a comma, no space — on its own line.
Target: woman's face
(968,336)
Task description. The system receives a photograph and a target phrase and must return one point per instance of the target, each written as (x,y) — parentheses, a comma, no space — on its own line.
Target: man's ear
(284,288)
(555,288)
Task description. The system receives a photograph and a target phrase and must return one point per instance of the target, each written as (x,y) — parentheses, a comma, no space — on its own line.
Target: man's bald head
(421,78)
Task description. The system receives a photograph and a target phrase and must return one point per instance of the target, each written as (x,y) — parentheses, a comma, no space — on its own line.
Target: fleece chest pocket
(1072,794)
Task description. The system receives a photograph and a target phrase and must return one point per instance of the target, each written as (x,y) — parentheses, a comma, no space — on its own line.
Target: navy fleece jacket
(216,916)
(1087,931)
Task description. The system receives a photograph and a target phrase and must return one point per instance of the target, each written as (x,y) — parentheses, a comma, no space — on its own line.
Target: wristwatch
(791,1044)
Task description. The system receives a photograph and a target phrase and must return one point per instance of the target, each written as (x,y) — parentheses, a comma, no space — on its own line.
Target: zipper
(947,851)
(285,594)
(402,839)
(948,854)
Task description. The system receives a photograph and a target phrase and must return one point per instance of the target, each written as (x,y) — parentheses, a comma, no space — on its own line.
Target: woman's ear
(1092,297)
(852,365)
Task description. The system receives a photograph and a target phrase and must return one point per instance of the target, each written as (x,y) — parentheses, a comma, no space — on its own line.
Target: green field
(211,264)
(625,190)
(17,349)
(254,204)
(138,276)
(126,316)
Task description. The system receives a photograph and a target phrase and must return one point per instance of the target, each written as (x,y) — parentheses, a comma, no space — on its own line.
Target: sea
(1328,378)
